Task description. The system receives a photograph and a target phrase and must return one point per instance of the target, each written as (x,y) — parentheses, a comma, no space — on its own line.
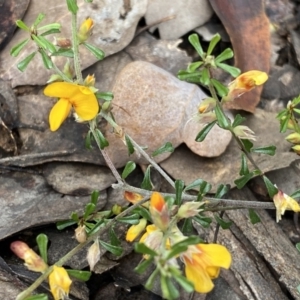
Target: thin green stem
(75,42)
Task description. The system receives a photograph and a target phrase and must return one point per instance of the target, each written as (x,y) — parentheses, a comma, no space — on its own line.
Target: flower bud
(93,255)
(207,105)
(85,30)
(296,149)
(32,261)
(89,80)
(80,234)
(293,138)
(189,209)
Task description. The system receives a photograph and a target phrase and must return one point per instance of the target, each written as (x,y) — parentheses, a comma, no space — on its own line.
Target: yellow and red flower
(245,83)
(80,97)
(283,202)
(203,263)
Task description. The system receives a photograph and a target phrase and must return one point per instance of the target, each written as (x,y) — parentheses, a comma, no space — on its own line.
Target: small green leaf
(52,26)
(179,186)
(296,194)
(78,274)
(115,250)
(205,77)
(202,220)
(182,246)
(22,65)
(284,123)
(146,183)
(42,241)
(51,31)
(143,212)
(129,168)
(37,297)
(205,187)
(244,165)
(195,184)
(94,197)
(238,119)
(298,246)
(131,219)
(150,282)
(167,147)
(187,227)
(272,189)
(143,266)
(247,144)
(38,19)
(46,59)
(129,145)
(192,67)
(172,290)
(89,209)
(254,217)
(60,225)
(222,90)
(194,40)
(48,45)
(184,283)
(22,25)
(226,54)
(98,53)
(222,189)
(15,51)
(74,216)
(204,131)
(223,120)
(240,182)
(88,140)
(213,42)
(107,96)
(190,77)
(101,139)
(233,71)
(143,249)
(268,150)
(72,6)
(224,224)
(63,52)
(114,240)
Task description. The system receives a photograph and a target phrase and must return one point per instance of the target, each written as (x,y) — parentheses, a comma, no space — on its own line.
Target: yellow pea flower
(135,230)
(85,30)
(245,83)
(282,202)
(80,97)
(59,282)
(203,263)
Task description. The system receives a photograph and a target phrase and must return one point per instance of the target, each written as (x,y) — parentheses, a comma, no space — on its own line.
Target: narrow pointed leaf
(102,140)
(226,54)
(89,209)
(248,144)
(244,165)
(172,290)
(37,297)
(88,140)
(129,145)
(187,227)
(268,150)
(204,131)
(195,184)
(15,51)
(94,197)
(78,274)
(223,120)
(63,52)
(224,224)
(167,147)
(143,266)
(272,190)
(72,6)
(240,182)
(48,45)
(254,218)
(114,240)
(238,119)
(192,67)
(184,283)
(107,96)
(222,90)
(150,282)
(212,44)
(143,249)
(132,219)
(202,220)
(38,19)
(98,53)
(296,194)
(222,190)
(194,40)
(22,65)
(60,225)
(42,241)
(146,183)
(129,168)
(46,59)
(51,26)
(115,250)
(22,25)
(205,187)
(233,71)
(179,186)
(51,31)
(205,77)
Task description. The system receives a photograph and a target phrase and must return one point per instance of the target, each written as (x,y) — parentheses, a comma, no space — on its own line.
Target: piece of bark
(248,28)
